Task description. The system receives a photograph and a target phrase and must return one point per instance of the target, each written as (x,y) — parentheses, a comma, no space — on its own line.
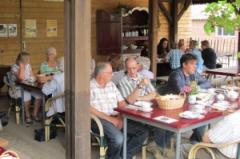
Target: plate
(222,105)
(143,104)
(146,110)
(190,115)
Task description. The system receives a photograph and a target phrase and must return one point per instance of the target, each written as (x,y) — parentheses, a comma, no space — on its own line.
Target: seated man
(134,86)
(55,86)
(226,131)
(104,97)
(176,82)
(184,75)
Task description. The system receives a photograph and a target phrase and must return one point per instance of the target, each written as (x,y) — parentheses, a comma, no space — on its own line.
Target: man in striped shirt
(226,131)
(133,86)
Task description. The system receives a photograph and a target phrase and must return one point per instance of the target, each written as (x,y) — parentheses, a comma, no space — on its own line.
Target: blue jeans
(163,137)
(137,134)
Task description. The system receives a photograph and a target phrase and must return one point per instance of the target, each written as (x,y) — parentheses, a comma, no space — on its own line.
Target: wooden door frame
(77,77)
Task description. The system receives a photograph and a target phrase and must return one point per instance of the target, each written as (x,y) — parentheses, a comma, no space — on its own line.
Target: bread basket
(171,101)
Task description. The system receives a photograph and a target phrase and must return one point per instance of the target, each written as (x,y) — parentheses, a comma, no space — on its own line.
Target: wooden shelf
(138,38)
(130,51)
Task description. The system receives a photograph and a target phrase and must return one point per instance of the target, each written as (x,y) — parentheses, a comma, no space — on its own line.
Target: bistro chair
(48,121)
(100,138)
(14,101)
(208,147)
(102,141)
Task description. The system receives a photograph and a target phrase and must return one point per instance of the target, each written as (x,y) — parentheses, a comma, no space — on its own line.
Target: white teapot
(232,95)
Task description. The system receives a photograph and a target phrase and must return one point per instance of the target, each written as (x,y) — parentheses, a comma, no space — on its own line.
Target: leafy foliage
(224,14)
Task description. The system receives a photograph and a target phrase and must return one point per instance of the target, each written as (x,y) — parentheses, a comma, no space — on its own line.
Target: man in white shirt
(104,98)
(226,131)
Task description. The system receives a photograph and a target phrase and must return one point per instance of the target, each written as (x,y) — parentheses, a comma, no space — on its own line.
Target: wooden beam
(185,7)
(165,11)
(77,77)
(173,32)
(239,41)
(153,33)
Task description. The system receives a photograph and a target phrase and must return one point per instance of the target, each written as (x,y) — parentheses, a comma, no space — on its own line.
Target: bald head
(132,67)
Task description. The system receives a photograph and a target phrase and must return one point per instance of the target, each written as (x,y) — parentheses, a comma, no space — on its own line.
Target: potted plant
(121,9)
(191,91)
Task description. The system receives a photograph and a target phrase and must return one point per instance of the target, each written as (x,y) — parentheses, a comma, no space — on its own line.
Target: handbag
(40,134)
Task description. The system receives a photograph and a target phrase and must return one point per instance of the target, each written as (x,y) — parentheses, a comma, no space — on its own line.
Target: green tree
(223,13)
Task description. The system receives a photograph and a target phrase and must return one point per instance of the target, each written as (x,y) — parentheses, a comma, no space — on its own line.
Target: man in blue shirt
(185,74)
(176,82)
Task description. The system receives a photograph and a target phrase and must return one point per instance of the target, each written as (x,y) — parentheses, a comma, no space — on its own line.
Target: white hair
(51,50)
(61,63)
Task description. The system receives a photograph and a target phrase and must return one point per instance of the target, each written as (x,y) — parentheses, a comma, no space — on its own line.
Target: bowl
(32,79)
(41,78)
(124,47)
(133,47)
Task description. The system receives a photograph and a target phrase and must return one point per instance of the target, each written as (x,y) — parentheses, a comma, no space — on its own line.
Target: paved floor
(21,140)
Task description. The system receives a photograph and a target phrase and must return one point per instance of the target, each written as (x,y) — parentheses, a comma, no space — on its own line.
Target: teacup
(192,99)
(220,97)
(197,108)
(32,79)
(232,95)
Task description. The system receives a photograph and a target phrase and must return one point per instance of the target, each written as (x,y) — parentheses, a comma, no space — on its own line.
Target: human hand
(22,65)
(117,121)
(144,82)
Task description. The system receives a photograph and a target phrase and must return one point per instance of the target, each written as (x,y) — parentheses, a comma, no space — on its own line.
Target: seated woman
(22,71)
(50,66)
(163,48)
(54,87)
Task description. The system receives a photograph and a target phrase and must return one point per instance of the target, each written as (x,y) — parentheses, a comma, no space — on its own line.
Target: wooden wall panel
(9,14)
(43,11)
(31,9)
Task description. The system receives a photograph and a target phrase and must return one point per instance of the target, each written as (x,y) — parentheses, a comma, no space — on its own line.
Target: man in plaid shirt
(104,98)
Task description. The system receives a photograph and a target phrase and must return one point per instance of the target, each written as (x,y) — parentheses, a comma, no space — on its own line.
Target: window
(220,31)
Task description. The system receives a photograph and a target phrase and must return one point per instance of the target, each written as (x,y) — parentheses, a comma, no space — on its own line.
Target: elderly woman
(22,71)
(50,66)
(55,87)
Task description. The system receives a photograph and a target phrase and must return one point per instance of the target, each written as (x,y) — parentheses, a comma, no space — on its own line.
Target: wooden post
(77,77)
(153,32)
(239,41)
(173,32)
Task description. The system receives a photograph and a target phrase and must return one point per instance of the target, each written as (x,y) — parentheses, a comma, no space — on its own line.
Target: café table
(228,72)
(178,127)
(30,86)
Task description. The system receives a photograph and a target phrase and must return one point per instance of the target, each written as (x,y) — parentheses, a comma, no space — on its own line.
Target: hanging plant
(122,9)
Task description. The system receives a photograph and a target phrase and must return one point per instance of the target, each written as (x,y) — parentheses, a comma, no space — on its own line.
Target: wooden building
(76,40)
(41,11)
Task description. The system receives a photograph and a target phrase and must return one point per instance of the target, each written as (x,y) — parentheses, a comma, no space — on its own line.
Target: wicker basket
(171,101)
